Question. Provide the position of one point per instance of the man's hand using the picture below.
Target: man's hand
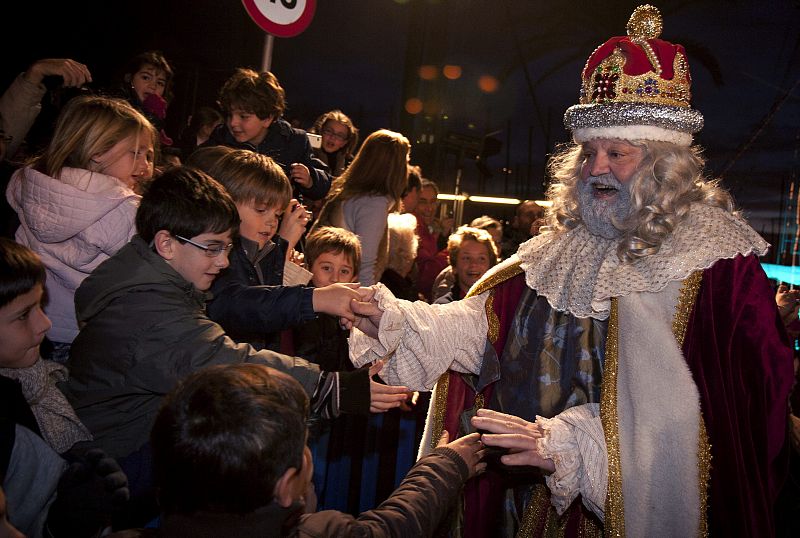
(516, 434)
(788, 302)
(384, 397)
(367, 317)
(299, 174)
(75, 74)
(469, 448)
(336, 300)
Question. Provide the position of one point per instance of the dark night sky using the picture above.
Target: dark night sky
(361, 56)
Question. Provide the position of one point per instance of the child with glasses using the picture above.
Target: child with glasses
(253, 104)
(144, 325)
(339, 140)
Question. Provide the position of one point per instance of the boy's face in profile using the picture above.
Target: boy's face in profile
(247, 127)
(198, 265)
(23, 325)
(332, 267)
(259, 222)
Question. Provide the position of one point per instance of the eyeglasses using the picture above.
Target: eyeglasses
(212, 251)
(334, 134)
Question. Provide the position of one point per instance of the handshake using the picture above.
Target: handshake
(354, 305)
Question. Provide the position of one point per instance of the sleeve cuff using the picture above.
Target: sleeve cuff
(354, 392)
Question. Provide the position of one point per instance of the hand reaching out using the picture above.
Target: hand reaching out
(336, 300)
(384, 397)
(469, 448)
(788, 302)
(75, 74)
(367, 317)
(517, 435)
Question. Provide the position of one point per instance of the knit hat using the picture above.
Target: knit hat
(636, 87)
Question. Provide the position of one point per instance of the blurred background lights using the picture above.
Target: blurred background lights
(414, 106)
(452, 72)
(428, 72)
(488, 84)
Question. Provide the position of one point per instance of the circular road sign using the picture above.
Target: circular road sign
(281, 18)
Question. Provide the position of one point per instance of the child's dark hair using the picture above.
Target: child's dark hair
(336, 240)
(20, 270)
(224, 437)
(156, 59)
(257, 93)
(186, 202)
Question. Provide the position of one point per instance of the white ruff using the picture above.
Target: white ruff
(579, 272)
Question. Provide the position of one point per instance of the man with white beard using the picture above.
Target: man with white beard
(640, 325)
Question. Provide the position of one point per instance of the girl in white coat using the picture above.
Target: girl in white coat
(76, 202)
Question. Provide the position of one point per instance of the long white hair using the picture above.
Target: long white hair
(668, 181)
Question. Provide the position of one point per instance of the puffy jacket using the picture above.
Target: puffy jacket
(73, 223)
(145, 329)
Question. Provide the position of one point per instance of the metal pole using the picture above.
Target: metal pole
(266, 58)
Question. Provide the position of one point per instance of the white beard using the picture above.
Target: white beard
(601, 216)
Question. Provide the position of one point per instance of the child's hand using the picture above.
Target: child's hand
(299, 174)
(469, 448)
(297, 258)
(384, 397)
(367, 317)
(293, 224)
(335, 299)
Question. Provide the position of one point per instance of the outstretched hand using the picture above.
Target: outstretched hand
(336, 299)
(469, 448)
(384, 397)
(367, 315)
(516, 434)
(75, 74)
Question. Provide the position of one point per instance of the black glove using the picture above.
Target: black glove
(91, 489)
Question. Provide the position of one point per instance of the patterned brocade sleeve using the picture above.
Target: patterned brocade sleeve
(422, 340)
(574, 440)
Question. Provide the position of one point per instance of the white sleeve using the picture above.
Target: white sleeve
(574, 440)
(424, 340)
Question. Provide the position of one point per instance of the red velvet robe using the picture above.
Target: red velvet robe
(740, 358)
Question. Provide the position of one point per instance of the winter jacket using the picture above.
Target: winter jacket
(145, 329)
(247, 310)
(286, 146)
(73, 223)
(416, 508)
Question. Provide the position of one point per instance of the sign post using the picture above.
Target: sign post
(282, 18)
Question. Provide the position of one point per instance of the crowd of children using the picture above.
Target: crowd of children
(172, 348)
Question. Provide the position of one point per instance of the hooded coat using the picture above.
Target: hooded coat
(73, 223)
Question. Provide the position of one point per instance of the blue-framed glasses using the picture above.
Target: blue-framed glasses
(212, 251)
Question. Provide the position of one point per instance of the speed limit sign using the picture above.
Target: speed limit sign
(281, 18)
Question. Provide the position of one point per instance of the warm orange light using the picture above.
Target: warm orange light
(428, 72)
(414, 106)
(452, 72)
(488, 84)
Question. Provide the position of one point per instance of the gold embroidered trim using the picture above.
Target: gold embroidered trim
(496, 278)
(442, 386)
(494, 321)
(686, 300)
(615, 506)
(536, 511)
(439, 409)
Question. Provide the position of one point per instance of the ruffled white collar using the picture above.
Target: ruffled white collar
(579, 272)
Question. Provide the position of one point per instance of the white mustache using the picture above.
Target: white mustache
(607, 180)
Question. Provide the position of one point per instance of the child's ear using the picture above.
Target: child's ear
(294, 483)
(164, 244)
